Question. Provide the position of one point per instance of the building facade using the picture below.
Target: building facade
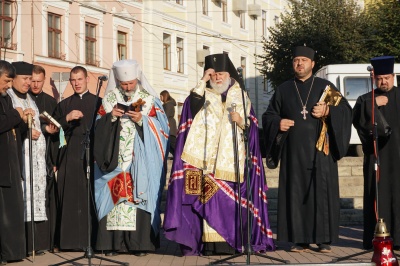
(169, 38)
(61, 34)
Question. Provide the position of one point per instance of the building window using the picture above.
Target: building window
(243, 65)
(90, 39)
(242, 20)
(179, 2)
(276, 20)
(264, 22)
(6, 24)
(179, 53)
(121, 45)
(224, 11)
(54, 35)
(205, 7)
(167, 51)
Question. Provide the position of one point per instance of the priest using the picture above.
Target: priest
(203, 193)
(385, 101)
(21, 98)
(13, 123)
(130, 151)
(308, 194)
(75, 115)
(47, 103)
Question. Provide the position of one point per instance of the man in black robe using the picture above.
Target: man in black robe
(47, 103)
(21, 98)
(308, 195)
(12, 227)
(75, 114)
(386, 105)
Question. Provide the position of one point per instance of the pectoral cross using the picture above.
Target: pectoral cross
(304, 112)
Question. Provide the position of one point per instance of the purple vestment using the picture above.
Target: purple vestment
(184, 213)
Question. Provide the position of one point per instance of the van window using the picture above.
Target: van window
(356, 86)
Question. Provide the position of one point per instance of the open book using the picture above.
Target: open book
(131, 106)
(44, 116)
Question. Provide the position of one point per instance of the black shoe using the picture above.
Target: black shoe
(299, 247)
(139, 253)
(3, 262)
(110, 253)
(324, 248)
(39, 253)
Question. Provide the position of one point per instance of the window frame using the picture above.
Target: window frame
(90, 59)
(180, 55)
(224, 10)
(9, 19)
(53, 53)
(167, 52)
(122, 46)
(204, 7)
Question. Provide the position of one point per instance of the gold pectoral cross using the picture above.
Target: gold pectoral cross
(304, 112)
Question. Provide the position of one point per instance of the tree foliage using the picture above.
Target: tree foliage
(384, 26)
(336, 29)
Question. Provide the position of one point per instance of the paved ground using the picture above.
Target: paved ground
(169, 255)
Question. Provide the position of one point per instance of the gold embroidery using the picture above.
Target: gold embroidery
(209, 189)
(193, 182)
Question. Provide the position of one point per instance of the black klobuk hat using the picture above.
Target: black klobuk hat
(383, 65)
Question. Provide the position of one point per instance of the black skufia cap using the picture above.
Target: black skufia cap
(22, 68)
(304, 51)
(222, 63)
(383, 65)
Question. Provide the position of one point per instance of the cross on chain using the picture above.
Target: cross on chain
(304, 112)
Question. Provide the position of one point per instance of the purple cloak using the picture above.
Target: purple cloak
(184, 213)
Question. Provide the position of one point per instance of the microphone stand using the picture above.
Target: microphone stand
(31, 186)
(89, 253)
(248, 250)
(377, 163)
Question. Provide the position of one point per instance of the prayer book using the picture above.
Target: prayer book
(131, 106)
(44, 116)
(330, 96)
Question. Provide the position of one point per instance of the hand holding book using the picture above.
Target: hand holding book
(46, 118)
(330, 97)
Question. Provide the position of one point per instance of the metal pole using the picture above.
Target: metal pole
(31, 186)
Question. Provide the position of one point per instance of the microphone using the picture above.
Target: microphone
(370, 68)
(103, 78)
(206, 104)
(233, 107)
(29, 121)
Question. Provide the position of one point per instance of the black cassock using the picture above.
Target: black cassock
(45, 230)
(12, 227)
(72, 219)
(308, 194)
(387, 119)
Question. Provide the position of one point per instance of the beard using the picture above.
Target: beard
(128, 93)
(220, 88)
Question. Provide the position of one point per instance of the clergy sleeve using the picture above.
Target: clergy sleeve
(106, 143)
(9, 120)
(273, 137)
(196, 103)
(362, 121)
(339, 128)
(200, 87)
